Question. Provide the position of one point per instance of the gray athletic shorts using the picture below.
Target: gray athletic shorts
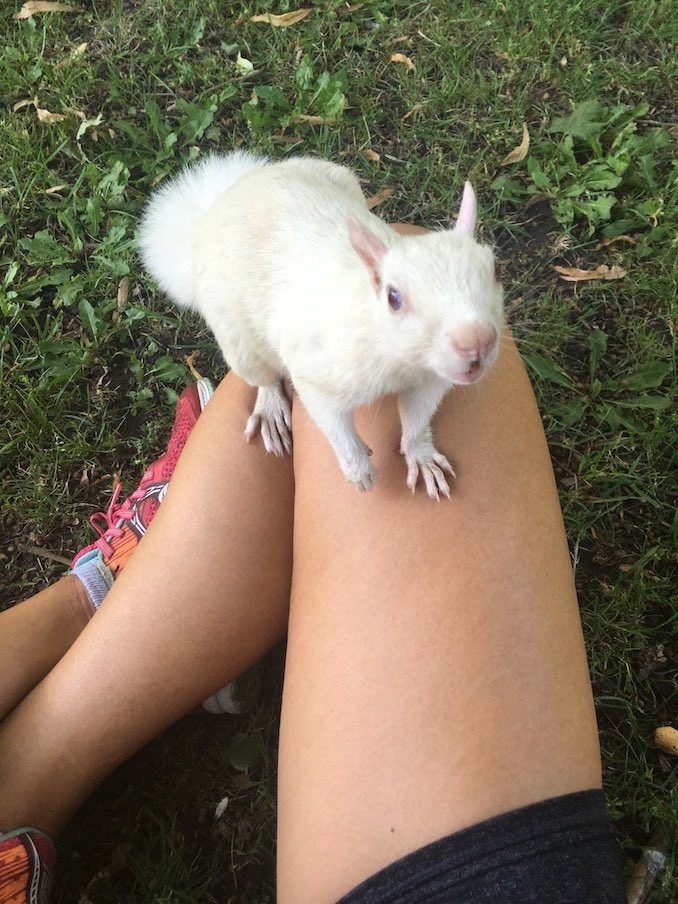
(560, 851)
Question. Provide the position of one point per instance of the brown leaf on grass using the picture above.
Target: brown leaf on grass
(285, 139)
(54, 189)
(42, 6)
(380, 197)
(314, 120)
(284, 20)
(73, 55)
(417, 108)
(47, 116)
(347, 10)
(123, 293)
(666, 738)
(190, 364)
(371, 155)
(574, 274)
(43, 114)
(605, 243)
(518, 153)
(405, 60)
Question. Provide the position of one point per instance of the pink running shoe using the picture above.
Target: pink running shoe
(124, 523)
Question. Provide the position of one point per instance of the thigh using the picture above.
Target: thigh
(436, 673)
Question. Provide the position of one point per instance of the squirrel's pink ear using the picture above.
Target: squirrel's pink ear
(466, 221)
(369, 249)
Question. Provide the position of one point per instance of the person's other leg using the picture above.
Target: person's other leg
(201, 599)
(436, 673)
(36, 633)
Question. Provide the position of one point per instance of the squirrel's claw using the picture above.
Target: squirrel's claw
(431, 465)
(272, 415)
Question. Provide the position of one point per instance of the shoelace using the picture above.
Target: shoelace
(109, 523)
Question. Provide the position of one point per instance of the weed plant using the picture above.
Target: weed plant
(102, 102)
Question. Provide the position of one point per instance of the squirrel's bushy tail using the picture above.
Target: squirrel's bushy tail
(167, 232)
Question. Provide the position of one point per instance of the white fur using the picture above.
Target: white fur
(169, 223)
(267, 253)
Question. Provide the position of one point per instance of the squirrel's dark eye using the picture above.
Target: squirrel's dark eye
(395, 299)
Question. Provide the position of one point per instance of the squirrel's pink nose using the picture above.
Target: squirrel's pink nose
(474, 340)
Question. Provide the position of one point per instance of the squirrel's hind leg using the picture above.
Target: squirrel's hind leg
(272, 415)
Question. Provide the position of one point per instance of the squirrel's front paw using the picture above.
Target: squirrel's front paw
(272, 414)
(423, 458)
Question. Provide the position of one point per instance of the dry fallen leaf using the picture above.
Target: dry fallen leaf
(46, 116)
(605, 243)
(369, 154)
(519, 153)
(346, 10)
(87, 124)
(73, 55)
(417, 108)
(221, 807)
(314, 120)
(666, 738)
(54, 189)
(190, 364)
(574, 274)
(285, 139)
(380, 196)
(123, 293)
(43, 114)
(284, 20)
(42, 6)
(405, 60)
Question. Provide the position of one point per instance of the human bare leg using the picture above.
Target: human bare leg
(436, 674)
(35, 634)
(174, 626)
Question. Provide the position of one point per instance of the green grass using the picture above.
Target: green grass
(89, 381)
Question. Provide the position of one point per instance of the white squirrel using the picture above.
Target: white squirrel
(298, 279)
